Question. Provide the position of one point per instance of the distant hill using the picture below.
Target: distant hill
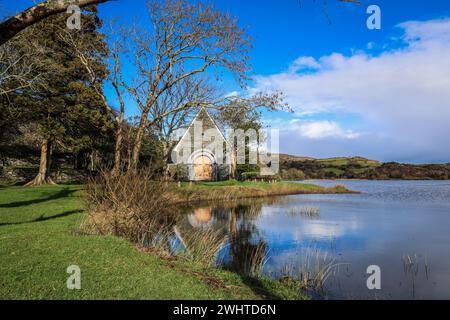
(287, 157)
(298, 168)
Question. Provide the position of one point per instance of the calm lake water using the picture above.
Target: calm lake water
(401, 226)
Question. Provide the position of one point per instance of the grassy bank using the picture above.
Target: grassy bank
(39, 240)
(232, 190)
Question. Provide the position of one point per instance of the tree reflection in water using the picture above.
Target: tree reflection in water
(226, 232)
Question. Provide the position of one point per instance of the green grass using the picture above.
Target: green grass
(39, 240)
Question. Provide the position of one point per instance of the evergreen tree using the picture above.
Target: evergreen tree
(64, 109)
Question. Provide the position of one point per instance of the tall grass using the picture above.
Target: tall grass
(202, 246)
(247, 258)
(133, 205)
(136, 206)
(411, 268)
(315, 269)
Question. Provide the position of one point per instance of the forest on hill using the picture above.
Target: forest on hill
(299, 168)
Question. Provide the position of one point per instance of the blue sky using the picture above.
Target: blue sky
(354, 91)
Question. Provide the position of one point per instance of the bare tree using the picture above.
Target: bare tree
(18, 66)
(175, 102)
(186, 39)
(12, 26)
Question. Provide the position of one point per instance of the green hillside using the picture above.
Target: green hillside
(342, 161)
(299, 168)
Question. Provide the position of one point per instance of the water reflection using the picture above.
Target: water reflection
(400, 226)
(247, 248)
(242, 248)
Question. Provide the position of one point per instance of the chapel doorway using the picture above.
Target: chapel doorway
(203, 168)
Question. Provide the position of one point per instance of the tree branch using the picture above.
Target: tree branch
(12, 26)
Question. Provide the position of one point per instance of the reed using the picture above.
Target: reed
(248, 259)
(309, 212)
(314, 270)
(202, 246)
(412, 267)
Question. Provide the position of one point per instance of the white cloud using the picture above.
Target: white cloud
(232, 94)
(426, 30)
(304, 63)
(402, 95)
(322, 129)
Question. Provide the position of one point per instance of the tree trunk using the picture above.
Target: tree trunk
(44, 166)
(129, 156)
(138, 141)
(118, 147)
(166, 157)
(92, 158)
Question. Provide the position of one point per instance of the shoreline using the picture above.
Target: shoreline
(233, 190)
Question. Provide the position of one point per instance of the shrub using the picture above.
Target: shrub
(249, 175)
(132, 205)
(256, 175)
(241, 168)
(293, 174)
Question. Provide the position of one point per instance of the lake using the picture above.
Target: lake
(401, 226)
